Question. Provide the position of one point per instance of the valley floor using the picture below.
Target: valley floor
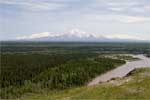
(135, 86)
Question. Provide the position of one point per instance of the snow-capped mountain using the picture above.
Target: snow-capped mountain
(73, 35)
(78, 35)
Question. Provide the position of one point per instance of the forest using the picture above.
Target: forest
(35, 67)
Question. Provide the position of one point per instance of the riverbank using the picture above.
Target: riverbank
(122, 70)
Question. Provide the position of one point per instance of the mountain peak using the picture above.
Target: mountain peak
(79, 35)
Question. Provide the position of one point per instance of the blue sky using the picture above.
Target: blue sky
(111, 18)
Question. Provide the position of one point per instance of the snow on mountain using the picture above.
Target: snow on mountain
(78, 35)
(72, 35)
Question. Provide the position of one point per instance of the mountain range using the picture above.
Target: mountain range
(78, 35)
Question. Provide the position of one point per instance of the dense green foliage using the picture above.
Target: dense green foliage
(75, 73)
(22, 73)
(33, 67)
(25, 66)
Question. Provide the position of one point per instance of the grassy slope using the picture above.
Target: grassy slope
(136, 86)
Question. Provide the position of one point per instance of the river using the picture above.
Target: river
(122, 71)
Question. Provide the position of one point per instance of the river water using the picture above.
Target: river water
(122, 71)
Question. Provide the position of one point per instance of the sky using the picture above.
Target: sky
(40, 18)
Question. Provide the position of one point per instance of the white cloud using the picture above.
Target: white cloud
(132, 19)
(123, 3)
(147, 8)
(117, 8)
(35, 6)
(45, 6)
(116, 18)
(132, 9)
